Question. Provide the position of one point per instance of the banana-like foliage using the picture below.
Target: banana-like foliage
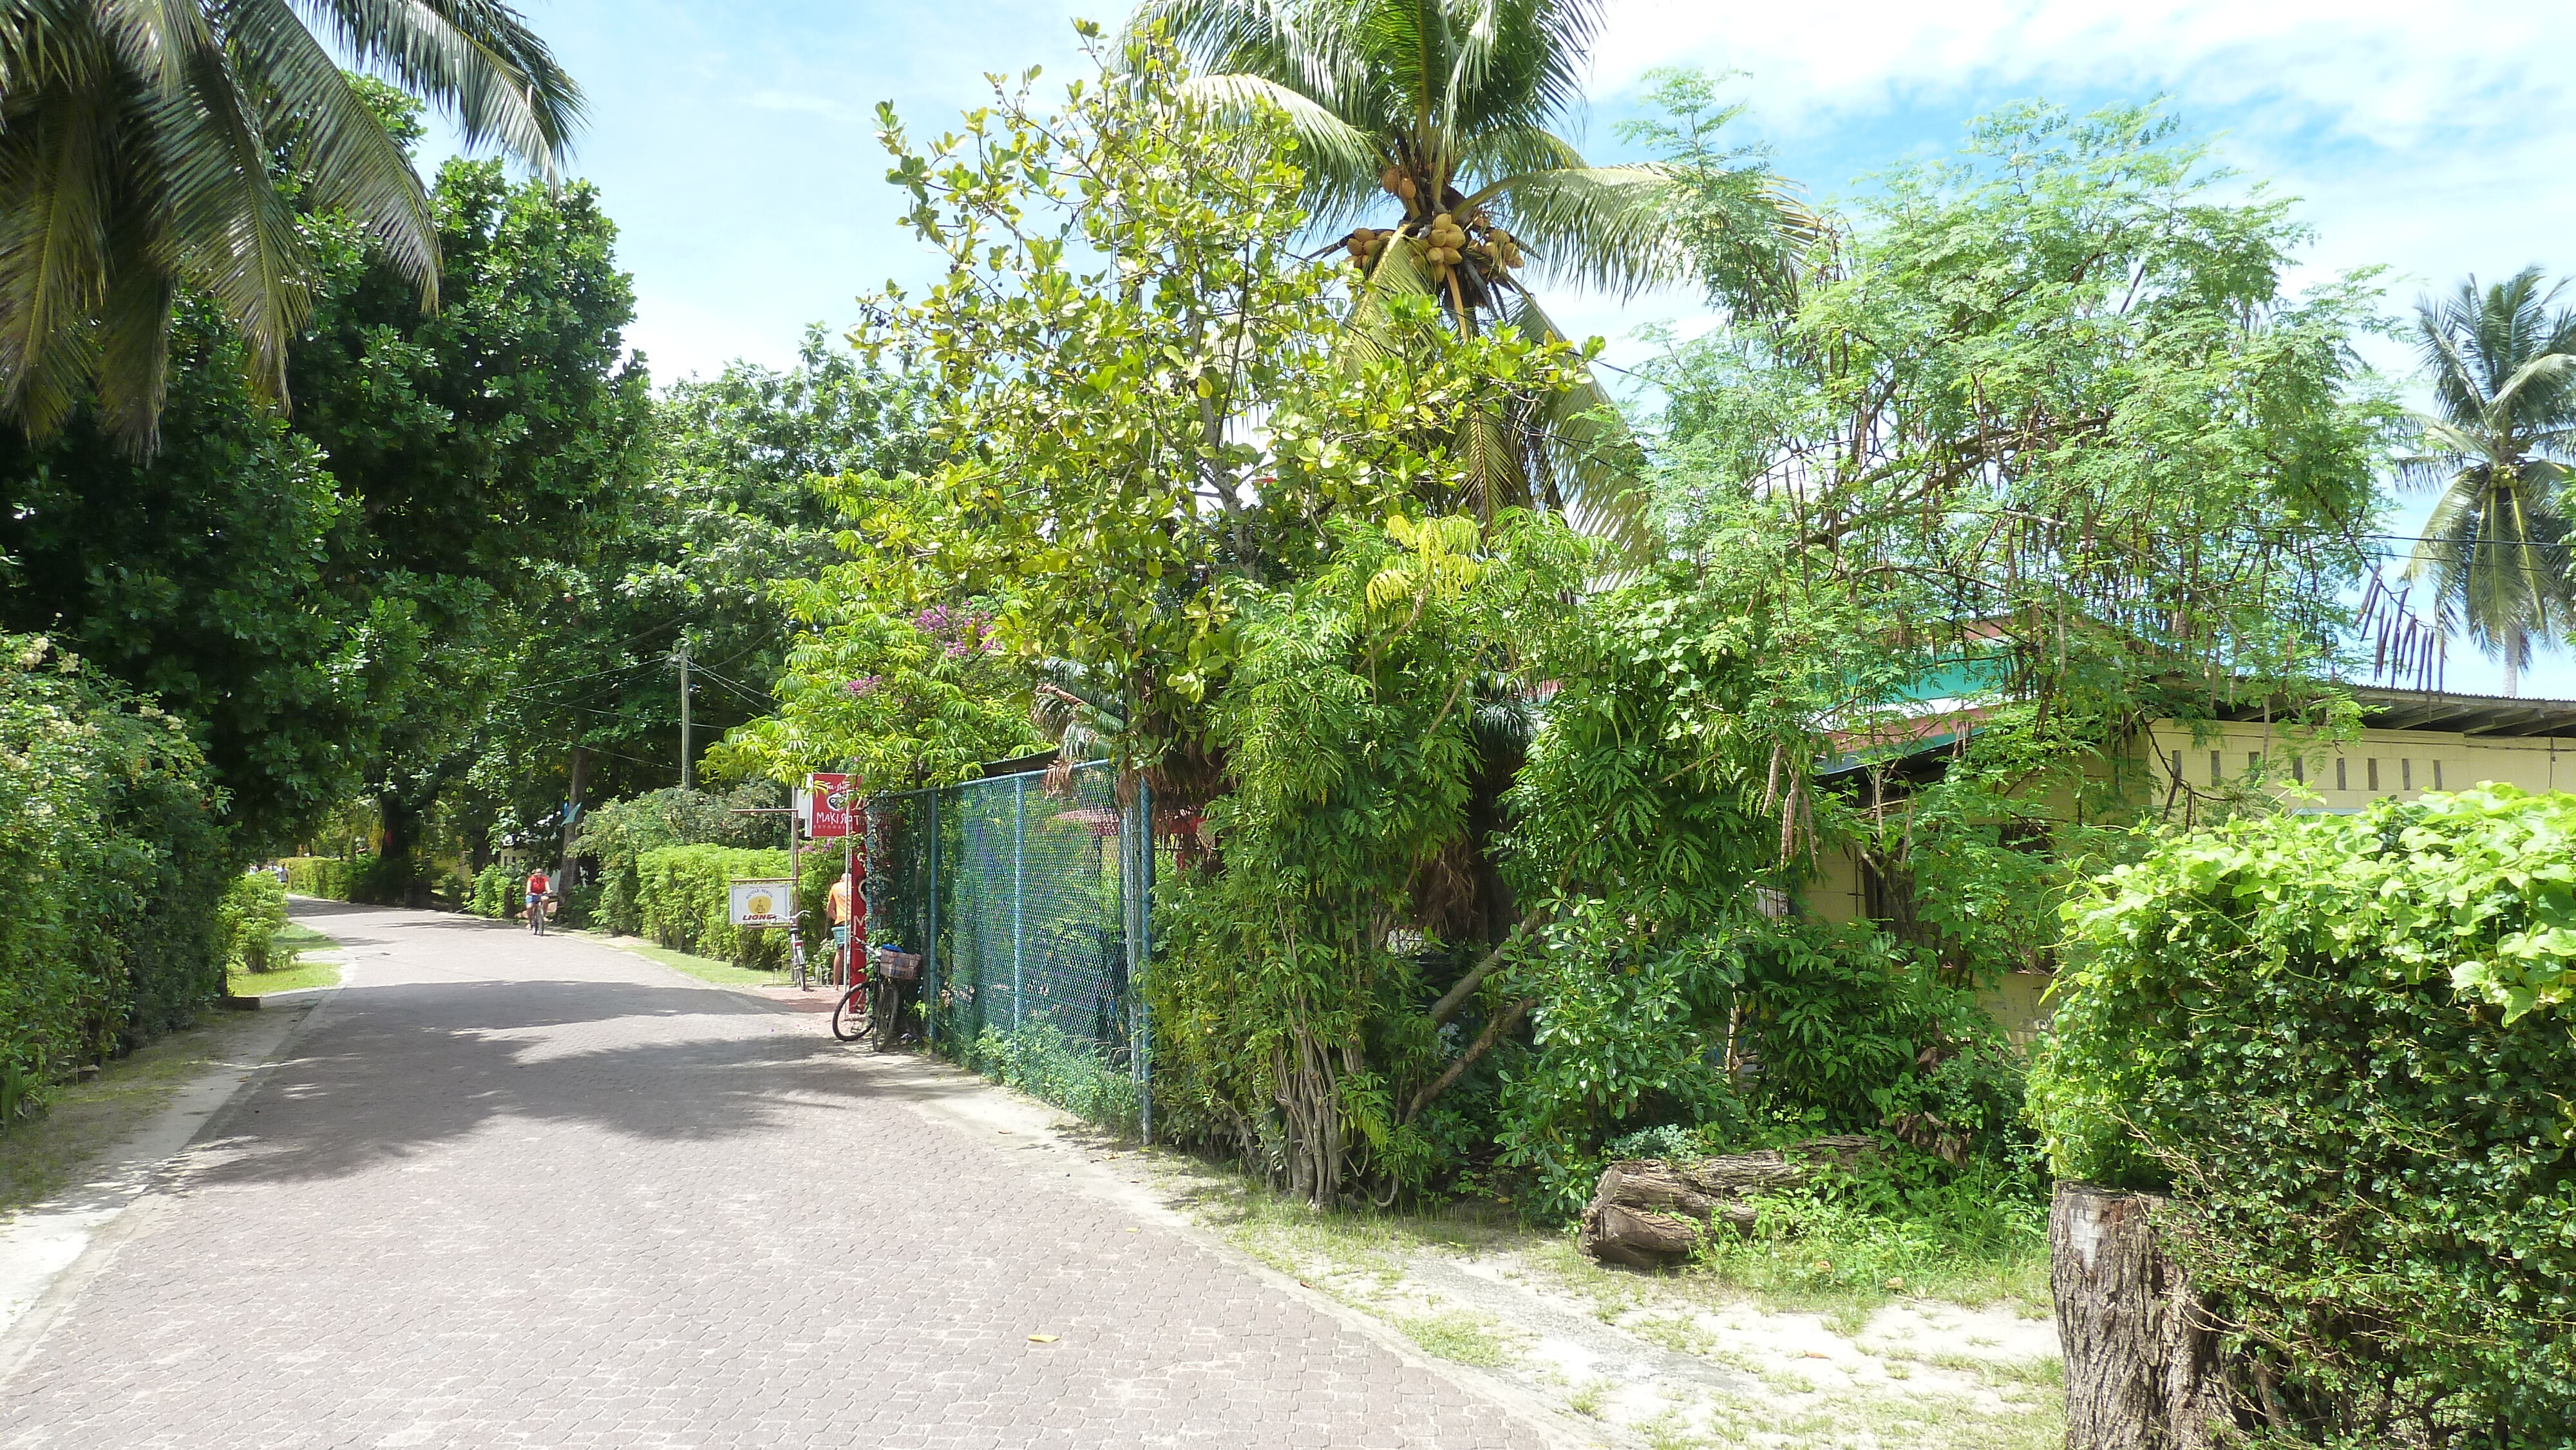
(2499, 447)
(153, 146)
(1447, 112)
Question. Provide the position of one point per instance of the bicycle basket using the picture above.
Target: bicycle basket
(899, 966)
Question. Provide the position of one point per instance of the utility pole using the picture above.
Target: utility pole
(688, 773)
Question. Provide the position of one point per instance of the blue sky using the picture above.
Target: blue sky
(735, 143)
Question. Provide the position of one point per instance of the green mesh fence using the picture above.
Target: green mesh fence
(1027, 907)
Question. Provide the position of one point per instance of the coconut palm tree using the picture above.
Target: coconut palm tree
(1444, 119)
(2499, 446)
(153, 146)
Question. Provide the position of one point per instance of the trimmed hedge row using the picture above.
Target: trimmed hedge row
(113, 867)
(379, 880)
(680, 901)
(2345, 1046)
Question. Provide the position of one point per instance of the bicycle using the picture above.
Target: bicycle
(872, 1008)
(537, 915)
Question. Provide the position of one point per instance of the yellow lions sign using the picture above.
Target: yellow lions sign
(760, 903)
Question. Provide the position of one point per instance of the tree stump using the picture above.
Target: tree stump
(1648, 1213)
(2142, 1362)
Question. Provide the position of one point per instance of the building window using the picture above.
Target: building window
(2299, 769)
(2372, 767)
(2217, 772)
(2437, 775)
(2253, 761)
(2340, 782)
(2405, 773)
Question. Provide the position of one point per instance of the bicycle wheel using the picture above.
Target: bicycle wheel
(885, 1002)
(850, 1017)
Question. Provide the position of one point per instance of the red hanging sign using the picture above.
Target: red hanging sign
(829, 800)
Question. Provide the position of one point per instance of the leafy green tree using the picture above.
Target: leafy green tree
(2499, 448)
(727, 513)
(2044, 421)
(2041, 428)
(1304, 982)
(216, 577)
(328, 599)
(154, 150)
(492, 447)
(1450, 112)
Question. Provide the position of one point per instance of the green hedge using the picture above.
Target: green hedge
(2345, 1045)
(617, 835)
(681, 895)
(252, 914)
(324, 876)
(499, 893)
(378, 880)
(113, 871)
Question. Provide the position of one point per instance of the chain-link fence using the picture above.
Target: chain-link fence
(1029, 910)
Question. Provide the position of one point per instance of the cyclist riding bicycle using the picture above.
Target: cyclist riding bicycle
(539, 887)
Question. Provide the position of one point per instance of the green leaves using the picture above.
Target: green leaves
(146, 150)
(2344, 1042)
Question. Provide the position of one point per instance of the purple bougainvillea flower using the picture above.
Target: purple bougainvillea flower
(864, 685)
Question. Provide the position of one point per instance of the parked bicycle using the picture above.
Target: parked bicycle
(872, 1008)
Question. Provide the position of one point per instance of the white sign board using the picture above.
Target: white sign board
(760, 903)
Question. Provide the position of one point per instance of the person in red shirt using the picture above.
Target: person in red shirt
(539, 886)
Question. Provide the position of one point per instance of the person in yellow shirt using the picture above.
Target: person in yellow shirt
(847, 912)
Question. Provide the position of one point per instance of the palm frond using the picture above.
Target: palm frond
(1503, 151)
(1615, 228)
(349, 162)
(474, 59)
(1341, 161)
(55, 166)
(1585, 460)
(229, 232)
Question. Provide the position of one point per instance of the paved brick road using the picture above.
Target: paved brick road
(507, 1192)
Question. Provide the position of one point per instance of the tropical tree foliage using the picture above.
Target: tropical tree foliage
(2498, 447)
(1449, 114)
(1137, 410)
(151, 150)
(721, 505)
(2046, 426)
(328, 600)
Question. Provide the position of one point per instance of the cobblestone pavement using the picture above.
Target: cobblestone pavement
(506, 1192)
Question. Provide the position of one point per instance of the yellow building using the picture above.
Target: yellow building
(2412, 741)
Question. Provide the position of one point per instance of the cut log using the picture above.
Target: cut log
(2142, 1352)
(1650, 1213)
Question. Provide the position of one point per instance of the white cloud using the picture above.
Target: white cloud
(2382, 69)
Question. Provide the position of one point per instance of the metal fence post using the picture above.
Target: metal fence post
(930, 945)
(1144, 952)
(1019, 886)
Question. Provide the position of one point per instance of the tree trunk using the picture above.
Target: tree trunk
(2513, 648)
(1648, 1213)
(402, 823)
(2142, 1361)
(580, 768)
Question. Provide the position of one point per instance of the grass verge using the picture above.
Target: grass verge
(705, 969)
(294, 971)
(40, 1156)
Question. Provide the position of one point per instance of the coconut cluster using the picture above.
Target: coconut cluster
(1443, 241)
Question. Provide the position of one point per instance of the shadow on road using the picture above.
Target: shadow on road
(392, 1071)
